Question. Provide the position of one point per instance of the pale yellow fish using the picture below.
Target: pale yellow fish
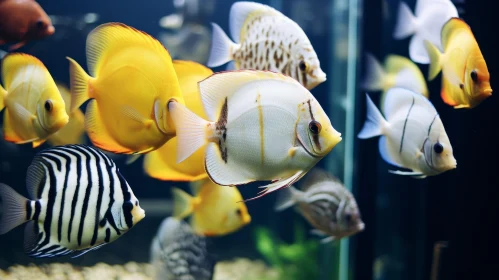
(132, 79)
(215, 210)
(33, 106)
(74, 131)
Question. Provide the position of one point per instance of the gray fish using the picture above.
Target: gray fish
(177, 253)
(326, 204)
(79, 201)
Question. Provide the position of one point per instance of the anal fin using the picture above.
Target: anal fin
(8, 131)
(222, 172)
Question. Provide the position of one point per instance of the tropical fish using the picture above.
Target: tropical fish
(266, 40)
(177, 253)
(73, 131)
(34, 108)
(412, 136)
(132, 79)
(78, 202)
(261, 126)
(162, 163)
(325, 203)
(23, 21)
(426, 24)
(466, 79)
(398, 71)
(215, 209)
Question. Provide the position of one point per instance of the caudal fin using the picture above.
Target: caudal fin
(190, 129)
(435, 61)
(182, 203)
(375, 121)
(79, 81)
(3, 94)
(406, 22)
(221, 47)
(374, 78)
(14, 209)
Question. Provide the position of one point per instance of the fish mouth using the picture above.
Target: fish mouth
(50, 30)
(318, 78)
(487, 92)
(246, 219)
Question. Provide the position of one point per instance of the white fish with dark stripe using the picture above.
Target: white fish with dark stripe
(78, 202)
(325, 203)
(412, 136)
(177, 253)
(266, 40)
(262, 126)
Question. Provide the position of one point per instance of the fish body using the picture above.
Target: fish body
(261, 126)
(78, 201)
(412, 135)
(132, 79)
(73, 132)
(266, 40)
(466, 78)
(397, 71)
(162, 163)
(215, 210)
(177, 253)
(33, 106)
(425, 24)
(325, 203)
(23, 21)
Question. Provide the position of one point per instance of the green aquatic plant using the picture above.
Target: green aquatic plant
(295, 261)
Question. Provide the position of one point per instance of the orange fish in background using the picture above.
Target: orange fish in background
(22, 21)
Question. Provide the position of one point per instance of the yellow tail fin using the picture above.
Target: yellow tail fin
(182, 203)
(3, 94)
(79, 84)
(435, 60)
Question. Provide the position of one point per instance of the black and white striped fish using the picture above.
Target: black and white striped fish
(79, 201)
(177, 253)
(325, 203)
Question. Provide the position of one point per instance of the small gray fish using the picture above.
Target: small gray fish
(177, 253)
(326, 204)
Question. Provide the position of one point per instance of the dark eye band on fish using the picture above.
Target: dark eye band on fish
(438, 148)
(315, 127)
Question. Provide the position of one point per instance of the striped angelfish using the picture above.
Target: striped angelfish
(78, 202)
(325, 203)
(266, 40)
(412, 135)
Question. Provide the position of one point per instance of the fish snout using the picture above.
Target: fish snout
(317, 76)
(50, 30)
(487, 92)
(138, 214)
(361, 226)
(61, 121)
(246, 219)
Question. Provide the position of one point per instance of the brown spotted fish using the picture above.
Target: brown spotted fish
(266, 40)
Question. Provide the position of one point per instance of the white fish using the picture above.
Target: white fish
(412, 136)
(426, 24)
(265, 39)
(262, 126)
(79, 201)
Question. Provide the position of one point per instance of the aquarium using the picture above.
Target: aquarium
(223, 139)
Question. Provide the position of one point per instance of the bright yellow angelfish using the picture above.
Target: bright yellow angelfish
(34, 108)
(162, 163)
(73, 132)
(216, 210)
(132, 79)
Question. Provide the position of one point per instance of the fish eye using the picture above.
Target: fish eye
(474, 76)
(438, 148)
(128, 206)
(348, 218)
(303, 65)
(314, 127)
(40, 24)
(49, 106)
(238, 212)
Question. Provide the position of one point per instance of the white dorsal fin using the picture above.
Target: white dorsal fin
(239, 13)
(219, 86)
(397, 98)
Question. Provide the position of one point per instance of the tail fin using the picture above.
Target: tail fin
(285, 198)
(221, 47)
(79, 81)
(190, 129)
(374, 75)
(406, 22)
(375, 121)
(435, 61)
(3, 94)
(182, 203)
(14, 209)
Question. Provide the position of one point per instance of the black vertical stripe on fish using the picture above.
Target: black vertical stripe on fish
(65, 186)
(29, 211)
(315, 137)
(77, 190)
(304, 78)
(52, 194)
(87, 197)
(98, 160)
(221, 128)
(109, 215)
(108, 235)
(431, 124)
(126, 197)
(405, 125)
(38, 209)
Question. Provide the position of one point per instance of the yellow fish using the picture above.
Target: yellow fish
(132, 79)
(216, 210)
(162, 163)
(34, 108)
(466, 79)
(73, 131)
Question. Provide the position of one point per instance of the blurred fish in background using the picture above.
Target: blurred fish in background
(186, 36)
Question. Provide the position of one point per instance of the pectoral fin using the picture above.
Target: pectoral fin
(279, 184)
(133, 114)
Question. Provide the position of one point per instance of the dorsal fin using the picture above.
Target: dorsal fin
(219, 86)
(452, 26)
(242, 11)
(317, 175)
(15, 62)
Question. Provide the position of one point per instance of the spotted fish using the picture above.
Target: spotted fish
(266, 40)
